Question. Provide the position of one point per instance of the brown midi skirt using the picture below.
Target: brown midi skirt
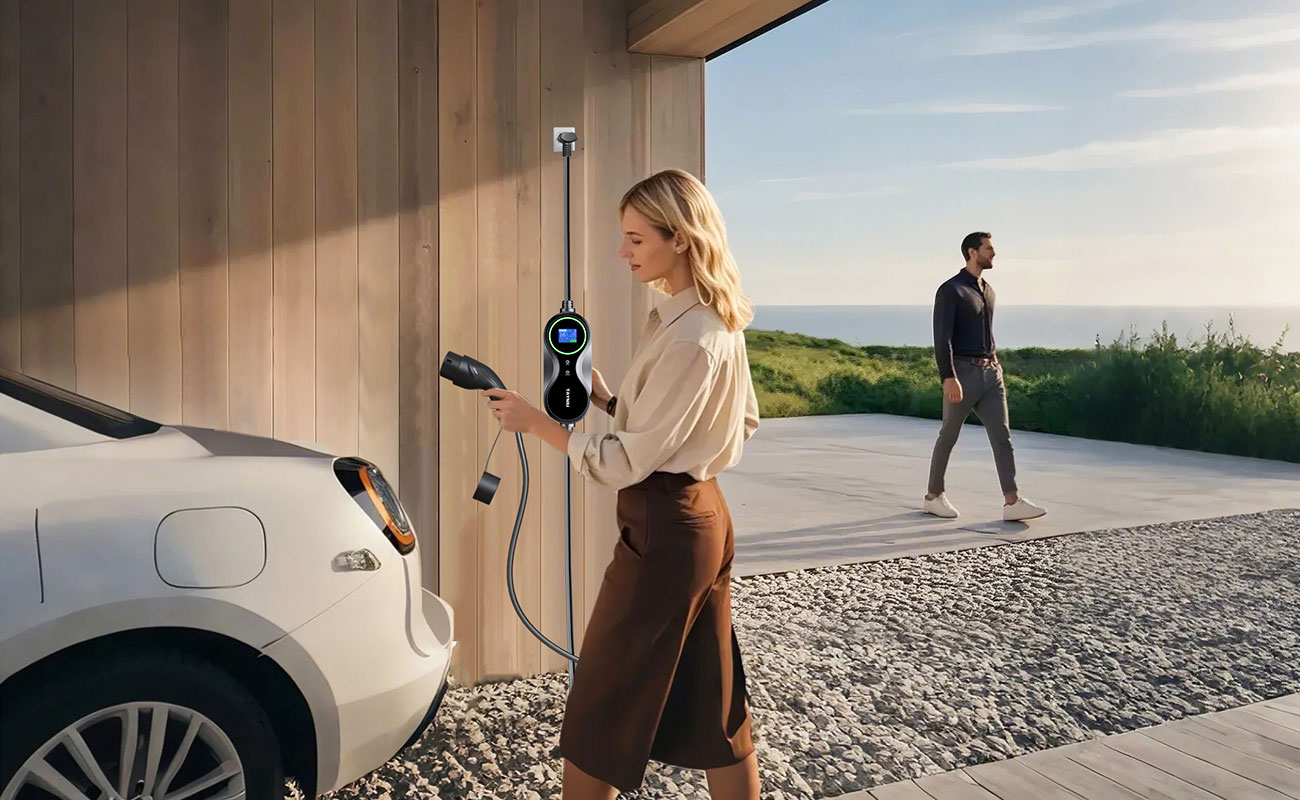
(659, 675)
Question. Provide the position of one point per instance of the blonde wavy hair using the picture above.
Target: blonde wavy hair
(675, 201)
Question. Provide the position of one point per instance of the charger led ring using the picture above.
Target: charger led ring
(578, 347)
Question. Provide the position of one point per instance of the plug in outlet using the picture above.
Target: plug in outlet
(555, 137)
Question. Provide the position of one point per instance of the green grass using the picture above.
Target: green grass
(1219, 394)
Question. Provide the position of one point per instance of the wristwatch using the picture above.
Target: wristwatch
(610, 404)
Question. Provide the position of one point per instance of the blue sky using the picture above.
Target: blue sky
(1122, 152)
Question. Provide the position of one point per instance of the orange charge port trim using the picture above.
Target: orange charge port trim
(403, 538)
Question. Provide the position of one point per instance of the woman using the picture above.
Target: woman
(660, 675)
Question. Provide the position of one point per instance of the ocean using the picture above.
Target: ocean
(1061, 327)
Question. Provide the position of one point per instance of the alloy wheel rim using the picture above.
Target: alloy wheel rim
(133, 751)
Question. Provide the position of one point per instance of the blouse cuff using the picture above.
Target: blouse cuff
(578, 448)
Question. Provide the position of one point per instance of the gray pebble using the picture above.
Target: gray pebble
(872, 673)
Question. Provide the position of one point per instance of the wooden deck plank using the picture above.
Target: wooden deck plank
(1243, 741)
(1280, 778)
(1289, 703)
(1137, 775)
(1081, 780)
(1258, 724)
(1284, 719)
(903, 790)
(954, 786)
(1251, 753)
(1012, 780)
(1204, 775)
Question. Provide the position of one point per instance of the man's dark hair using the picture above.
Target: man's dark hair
(973, 241)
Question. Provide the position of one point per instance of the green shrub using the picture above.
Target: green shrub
(1219, 394)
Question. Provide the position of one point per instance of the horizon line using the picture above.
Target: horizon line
(1034, 305)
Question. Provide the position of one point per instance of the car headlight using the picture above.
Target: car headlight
(375, 495)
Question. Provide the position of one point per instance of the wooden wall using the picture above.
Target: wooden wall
(275, 216)
(218, 213)
(501, 192)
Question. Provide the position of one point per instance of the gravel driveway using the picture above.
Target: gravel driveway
(872, 673)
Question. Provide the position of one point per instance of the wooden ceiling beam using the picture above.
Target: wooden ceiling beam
(699, 28)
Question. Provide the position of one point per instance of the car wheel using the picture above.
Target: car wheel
(154, 725)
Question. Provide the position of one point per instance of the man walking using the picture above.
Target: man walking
(972, 378)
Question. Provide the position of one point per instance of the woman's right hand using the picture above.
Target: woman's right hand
(600, 392)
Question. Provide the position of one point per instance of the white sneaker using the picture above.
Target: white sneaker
(940, 507)
(1021, 510)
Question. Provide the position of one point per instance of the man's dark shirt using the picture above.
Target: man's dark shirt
(963, 321)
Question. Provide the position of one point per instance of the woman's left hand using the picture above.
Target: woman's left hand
(515, 414)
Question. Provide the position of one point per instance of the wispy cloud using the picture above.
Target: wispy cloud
(1220, 34)
(1275, 167)
(1238, 83)
(816, 196)
(1240, 169)
(1036, 16)
(911, 109)
(1158, 147)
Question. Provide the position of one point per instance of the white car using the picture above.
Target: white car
(191, 614)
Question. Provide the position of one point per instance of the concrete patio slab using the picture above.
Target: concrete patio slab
(822, 491)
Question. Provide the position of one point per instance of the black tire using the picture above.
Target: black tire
(38, 711)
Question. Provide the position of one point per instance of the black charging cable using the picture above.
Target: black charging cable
(514, 541)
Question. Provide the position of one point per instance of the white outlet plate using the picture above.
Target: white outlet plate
(555, 137)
